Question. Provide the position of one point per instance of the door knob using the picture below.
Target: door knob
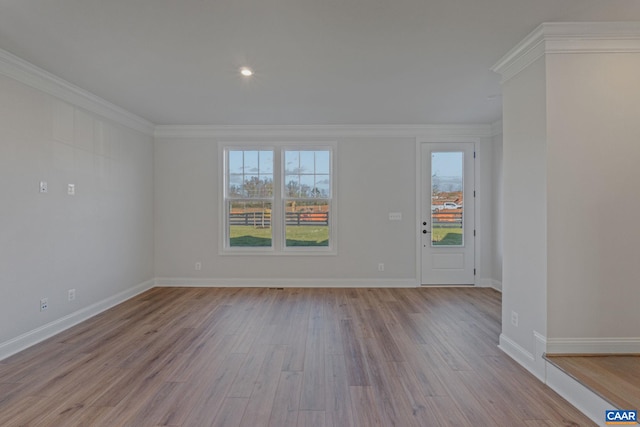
(424, 223)
(424, 231)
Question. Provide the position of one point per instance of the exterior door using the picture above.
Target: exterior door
(447, 221)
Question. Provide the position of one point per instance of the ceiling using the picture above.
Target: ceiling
(316, 62)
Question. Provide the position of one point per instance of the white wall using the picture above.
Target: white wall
(594, 199)
(524, 275)
(99, 241)
(570, 149)
(375, 176)
(570, 153)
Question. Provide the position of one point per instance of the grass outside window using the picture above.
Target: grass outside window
(302, 235)
(446, 236)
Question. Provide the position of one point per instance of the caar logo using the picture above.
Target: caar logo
(621, 417)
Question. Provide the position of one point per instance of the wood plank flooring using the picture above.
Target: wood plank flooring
(615, 378)
(293, 357)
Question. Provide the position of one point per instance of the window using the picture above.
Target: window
(249, 200)
(278, 199)
(447, 198)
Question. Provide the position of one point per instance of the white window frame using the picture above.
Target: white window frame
(278, 227)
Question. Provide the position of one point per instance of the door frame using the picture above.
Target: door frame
(419, 202)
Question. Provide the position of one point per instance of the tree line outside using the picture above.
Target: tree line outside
(262, 187)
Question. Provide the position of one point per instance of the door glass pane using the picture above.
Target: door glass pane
(447, 198)
(250, 224)
(307, 223)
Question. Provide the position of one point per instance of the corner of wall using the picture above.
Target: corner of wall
(490, 283)
(27, 73)
(30, 338)
(78, 141)
(532, 362)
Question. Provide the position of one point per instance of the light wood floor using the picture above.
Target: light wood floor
(614, 378)
(293, 357)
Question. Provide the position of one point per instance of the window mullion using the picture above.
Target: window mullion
(277, 213)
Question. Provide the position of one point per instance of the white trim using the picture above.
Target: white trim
(27, 73)
(580, 396)
(569, 37)
(539, 350)
(43, 332)
(623, 45)
(285, 252)
(478, 234)
(473, 139)
(490, 283)
(520, 355)
(418, 199)
(285, 283)
(521, 56)
(278, 247)
(448, 139)
(593, 345)
(439, 132)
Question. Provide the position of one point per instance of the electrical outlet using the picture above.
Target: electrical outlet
(381, 267)
(43, 186)
(198, 266)
(44, 304)
(71, 294)
(71, 190)
(514, 318)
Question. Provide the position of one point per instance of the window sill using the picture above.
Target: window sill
(298, 252)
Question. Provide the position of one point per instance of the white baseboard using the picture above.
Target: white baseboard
(490, 283)
(37, 335)
(287, 283)
(540, 348)
(525, 358)
(593, 346)
(585, 400)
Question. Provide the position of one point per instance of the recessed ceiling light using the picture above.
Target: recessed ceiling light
(246, 71)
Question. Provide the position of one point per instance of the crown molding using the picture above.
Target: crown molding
(521, 55)
(569, 37)
(37, 78)
(322, 131)
(27, 73)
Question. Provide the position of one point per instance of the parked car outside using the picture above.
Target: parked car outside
(451, 205)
